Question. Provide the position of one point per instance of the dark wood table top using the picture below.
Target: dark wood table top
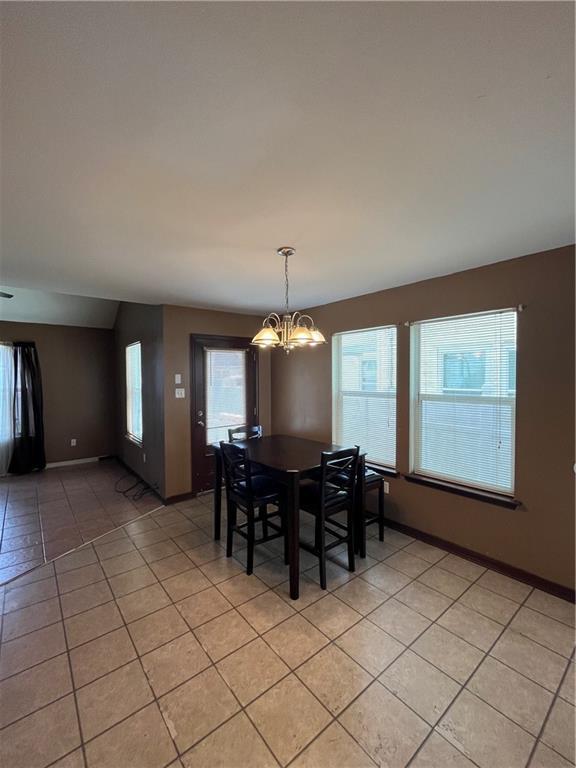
(286, 454)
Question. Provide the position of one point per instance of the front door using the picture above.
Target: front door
(224, 379)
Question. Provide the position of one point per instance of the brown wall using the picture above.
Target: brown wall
(538, 536)
(179, 323)
(143, 323)
(77, 367)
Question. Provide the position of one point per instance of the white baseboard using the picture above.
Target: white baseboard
(71, 463)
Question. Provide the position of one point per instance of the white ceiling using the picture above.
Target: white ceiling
(32, 306)
(160, 152)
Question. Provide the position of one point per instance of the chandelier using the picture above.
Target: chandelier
(291, 330)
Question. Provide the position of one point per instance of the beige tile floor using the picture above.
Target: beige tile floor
(45, 514)
(150, 649)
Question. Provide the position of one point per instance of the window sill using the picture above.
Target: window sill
(462, 490)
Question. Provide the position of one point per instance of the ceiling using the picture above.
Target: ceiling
(33, 306)
(160, 152)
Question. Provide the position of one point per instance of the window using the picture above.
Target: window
(364, 397)
(134, 392)
(225, 392)
(464, 399)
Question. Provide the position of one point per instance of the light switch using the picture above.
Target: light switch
(177, 378)
(180, 392)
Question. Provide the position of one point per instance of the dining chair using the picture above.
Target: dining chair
(251, 494)
(372, 481)
(244, 433)
(332, 493)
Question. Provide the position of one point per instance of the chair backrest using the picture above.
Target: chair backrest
(338, 474)
(237, 472)
(244, 433)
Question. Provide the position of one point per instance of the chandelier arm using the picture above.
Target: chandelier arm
(305, 317)
(275, 317)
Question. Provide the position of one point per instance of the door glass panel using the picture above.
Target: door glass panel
(225, 392)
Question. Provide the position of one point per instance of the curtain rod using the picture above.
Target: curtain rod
(518, 308)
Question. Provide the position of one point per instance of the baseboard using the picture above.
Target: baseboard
(558, 590)
(73, 462)
(185, 497)
(179, 497)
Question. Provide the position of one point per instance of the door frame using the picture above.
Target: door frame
(198, 342)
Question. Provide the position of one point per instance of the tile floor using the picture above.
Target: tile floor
(45, 514)
(150, 649)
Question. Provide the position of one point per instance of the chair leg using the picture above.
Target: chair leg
(230, 523)
(321, 549)
(251, 537)
(381, 511)
(263, 510)
(350, 524)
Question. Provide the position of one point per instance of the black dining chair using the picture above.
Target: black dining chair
(251, 494)
(244, 433)
(332, 493)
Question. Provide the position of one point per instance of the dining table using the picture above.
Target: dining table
(287, 460)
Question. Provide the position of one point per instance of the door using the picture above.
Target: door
(224, 379)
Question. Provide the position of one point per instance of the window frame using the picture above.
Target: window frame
(132, 436)
(337, 392)
(416, 474)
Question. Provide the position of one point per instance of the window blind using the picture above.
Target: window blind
(464, 399)
(364, 392)
(225, 392)
(134, 427)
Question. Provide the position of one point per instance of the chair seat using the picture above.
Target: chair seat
(371, 477)
(263, 488)
(310, 495)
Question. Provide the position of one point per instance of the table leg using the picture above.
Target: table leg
(217, 494)
(293, 522)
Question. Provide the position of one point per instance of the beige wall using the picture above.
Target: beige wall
(179, 324)
(77, 366)
(143, 323)
(538, 536)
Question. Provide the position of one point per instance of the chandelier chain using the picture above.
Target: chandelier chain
(286, 279)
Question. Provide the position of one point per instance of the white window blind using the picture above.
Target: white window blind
(6, 405)
(464, 399)
(225, 392)
(364, 392)
(134, 391)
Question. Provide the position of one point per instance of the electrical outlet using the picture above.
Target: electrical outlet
(73, 442)
(180, 393)
(386, 486)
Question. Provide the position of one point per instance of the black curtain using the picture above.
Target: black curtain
(28, 453)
